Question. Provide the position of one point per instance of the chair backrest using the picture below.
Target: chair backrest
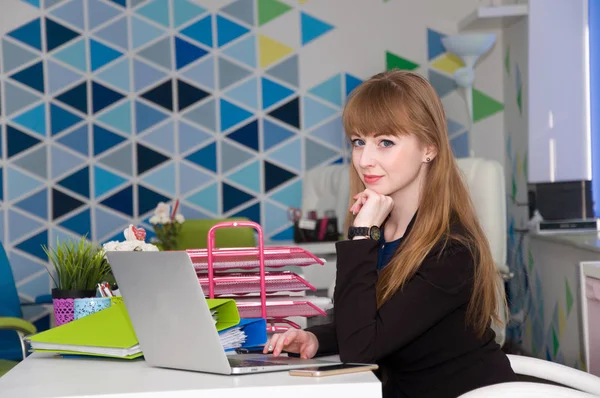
(10, 304)
(194, 234)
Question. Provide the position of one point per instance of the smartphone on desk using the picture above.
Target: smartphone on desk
(344, 368)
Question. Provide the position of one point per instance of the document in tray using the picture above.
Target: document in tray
(249, 332)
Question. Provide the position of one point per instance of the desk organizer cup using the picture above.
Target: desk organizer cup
(87, 306)
(64, 303)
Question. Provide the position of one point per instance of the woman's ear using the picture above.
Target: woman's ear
(429, 153)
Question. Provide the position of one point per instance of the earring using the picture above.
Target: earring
(428, 159)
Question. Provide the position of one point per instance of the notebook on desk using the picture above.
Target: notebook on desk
(173, 322)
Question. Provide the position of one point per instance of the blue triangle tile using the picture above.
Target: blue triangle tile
(121, 201)
(206, 198)
(118, 118)
(101, 54)
(443, 84)
(105, 181)
(243, 51)
(454, 127)
(247, 135)
(63, 203)
(33, 246)
(63, 161)
(80, 223)
(62, 235)
(275, 176)
(148, 199)
(434, 44)
(317, 154)
(115, 33)
(75, 97)
(29, 33)
(32, 76)
(273, 134)
(19, 184)
(203, 115)
(145, 75)
(161, 95)
(99, 12)
(202, 73)
(146, 116)
(103, 96)
(61, 119)
(275, 218)
(18, 141)
(191, 136)
(120, 159)
(71, 12)
(34, 119)
(315, 112)
(57, 34)
(232, 156)
(2, 238)
(351, 83)
(330, 90)
(245, 93)
(186, 53)
(185, 10)
(312, 28)
(77, 140)
(162, 137)
(230, 73)
(34, 3)
(51, 3)
(38, 286)
(289, 155)
(227, 30)
(290, 195)
(251, 212)
(162, 179)
(191, 178)
(248, 177)
(104, 140)
(242, 10)
(60, 77)
(285, 235)
(78, 182)
(117, 75)
(15, 55)
(288, 113)
(36, 204)
(159, 53)
(122, 3)
(24, 266)
(205, 157)
(20, 225)
(74, 55)
(460, 145)
(157, 11)
(148, 158)
(331, 132)
(200, 31)
(35, 162)
(231, 115)
(233, 197)
(273, 92)
(107, 223)
(188, 95)
(143, 32)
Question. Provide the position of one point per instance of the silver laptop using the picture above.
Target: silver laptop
(171, 319)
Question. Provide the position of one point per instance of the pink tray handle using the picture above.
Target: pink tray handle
(261, 258)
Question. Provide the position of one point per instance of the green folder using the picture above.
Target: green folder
(226, 312)
(107, 333)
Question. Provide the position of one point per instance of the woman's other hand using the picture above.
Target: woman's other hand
(295, 341)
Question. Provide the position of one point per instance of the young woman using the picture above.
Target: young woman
(416, 288)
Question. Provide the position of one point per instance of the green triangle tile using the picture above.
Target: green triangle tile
(555, 343)
(569, 297)
(507, 60)
(484, 106)
(394, 61)
(270, 9)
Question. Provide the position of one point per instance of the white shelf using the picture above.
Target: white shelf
(493, 17)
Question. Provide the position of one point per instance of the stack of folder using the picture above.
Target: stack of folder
(109, 333)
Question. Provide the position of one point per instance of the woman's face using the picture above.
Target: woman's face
(387, 164)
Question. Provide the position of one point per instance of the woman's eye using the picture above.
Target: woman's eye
(386, 143)
(358, 142)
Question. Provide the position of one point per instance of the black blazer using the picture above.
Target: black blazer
(419, 337)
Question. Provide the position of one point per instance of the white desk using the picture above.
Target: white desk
(48, 376)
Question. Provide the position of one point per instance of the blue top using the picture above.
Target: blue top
(386, 251)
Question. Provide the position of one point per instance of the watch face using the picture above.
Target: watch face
(375, 233)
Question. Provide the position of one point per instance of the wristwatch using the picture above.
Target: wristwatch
(372, 232)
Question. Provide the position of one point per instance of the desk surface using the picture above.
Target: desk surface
(50, 376)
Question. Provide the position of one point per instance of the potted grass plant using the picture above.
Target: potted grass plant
(78, 267)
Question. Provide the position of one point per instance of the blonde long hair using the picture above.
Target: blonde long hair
(396, 103)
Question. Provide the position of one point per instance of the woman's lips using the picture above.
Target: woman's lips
(371, 179)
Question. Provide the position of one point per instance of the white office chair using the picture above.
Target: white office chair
(574, 383)
(328, 188)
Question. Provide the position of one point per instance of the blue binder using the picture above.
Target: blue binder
(255, 330)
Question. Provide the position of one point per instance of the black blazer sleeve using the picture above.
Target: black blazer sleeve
(365, 334)
(327, 338)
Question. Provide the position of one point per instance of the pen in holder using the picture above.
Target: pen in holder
(87, 306)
